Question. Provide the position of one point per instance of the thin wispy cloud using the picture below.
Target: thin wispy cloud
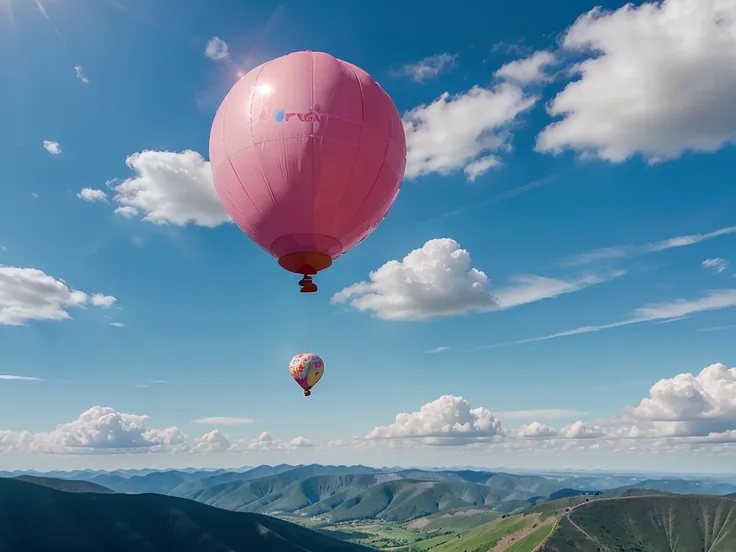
(634, 250)
(81, 75)
(157, 381)
(545, 414)
(9, 377)
(118, 325)
(717, 328)
(530, 288)
(437, 350)
(667, 310)
(223, 420)
(717, 265)
(428, 68)
(504, 196)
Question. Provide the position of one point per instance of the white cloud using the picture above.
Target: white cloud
(429, 68)
(436, 350)
(52, 147)
(704, 402)
(19, 378)
(3, 249)
(118, 325)
(631, 250)
(127, 211)
(667, 310)
(104, 430)
(661, 82)
(29, 294)
(581, 430)
(683, 412)
(92, 195)
(447, 420)
(464, 130)
(536, 430)
(223, 420)
(717, 265)
(529, 288)
(539, 414)
(102, 301)
(169, 188)
(437, 280)
(434, 281)
(216, 49)
(81, 74)
(529, 70)
(481, 166)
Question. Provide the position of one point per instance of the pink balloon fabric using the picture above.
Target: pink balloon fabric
(307, 153)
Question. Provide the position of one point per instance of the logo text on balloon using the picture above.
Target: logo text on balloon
(280, 115)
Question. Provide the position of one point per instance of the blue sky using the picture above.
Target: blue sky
(639, 155)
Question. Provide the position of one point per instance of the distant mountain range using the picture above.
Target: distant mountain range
(35, 517)
(407, 510)
(342, 493)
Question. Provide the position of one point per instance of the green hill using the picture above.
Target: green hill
(67, 485)
(666, 523)
(34, 517)
(404, 500)
(347, 497)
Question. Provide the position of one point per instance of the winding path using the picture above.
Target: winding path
(540, 546)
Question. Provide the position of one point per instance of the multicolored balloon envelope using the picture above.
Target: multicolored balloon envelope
(307, 154)
(306, 369)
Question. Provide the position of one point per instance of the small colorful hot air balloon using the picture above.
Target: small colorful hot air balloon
(306, 369)
(307, 154)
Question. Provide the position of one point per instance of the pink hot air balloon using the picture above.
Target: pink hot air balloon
(307, 153)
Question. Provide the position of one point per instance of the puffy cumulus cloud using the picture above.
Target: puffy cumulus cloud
(437, 280)
(103, 430)
(265, 442)
(216, 49)
(169, 188)
(717, 265)
(697, 404)
(429, 68)
(92, 195)
(536, 430)
(433, 281)
(464, 131)
(687, 412)
(447, 420)
(581, 430)
(529, 70)
(28, 294)
(52, 147)
(659, 82)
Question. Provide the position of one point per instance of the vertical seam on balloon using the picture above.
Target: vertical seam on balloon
(311, 145)
(245, 191)
(253, 140)
(383, 164)
(357, 151)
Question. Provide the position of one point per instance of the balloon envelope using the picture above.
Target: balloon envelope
(306, 369)
(307, 154)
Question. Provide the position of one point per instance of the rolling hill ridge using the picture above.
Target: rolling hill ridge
(661, 523)
(36, 517)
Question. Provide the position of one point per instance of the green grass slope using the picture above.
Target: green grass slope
(519, 533)
(67, 485)
(34, 517)
(666, 523)
(404, 500)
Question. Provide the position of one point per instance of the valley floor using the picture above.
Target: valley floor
(517, 533)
